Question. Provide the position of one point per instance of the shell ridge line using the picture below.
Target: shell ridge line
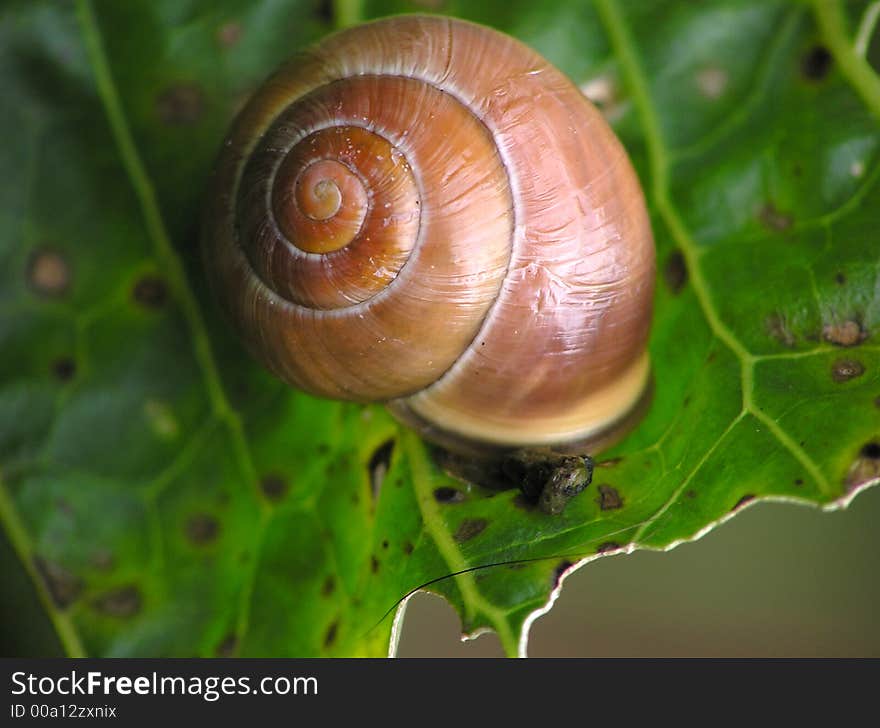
(274, 298)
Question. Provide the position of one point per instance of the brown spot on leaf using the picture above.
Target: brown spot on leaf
(380, 462)
(328, 587)
(374, 564)
(609, 499)
(274, 487)
(181, 104)
(48, 273)
(610, 463)
(560, 569)
(742, 501)
(63, 587)
(228, 646)
(448, 495)
(607, 547)
(103, 560)
(712, 82)
(606, 93)
(202, 529)
(840, 279)
(229, 34)
(150, 291)
(865, 468)
(773, 219)
(816, 63)
(691, 494)
(407, 547)
(843, 370)
(777, 327)
(675, 272)
(846, 333)
(330, 634)
(798, 481)
(64, 368)
(469, 528)
(123, 602)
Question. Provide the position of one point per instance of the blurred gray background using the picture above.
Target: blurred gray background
(777, 580)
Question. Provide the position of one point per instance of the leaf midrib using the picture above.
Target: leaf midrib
(455, 560)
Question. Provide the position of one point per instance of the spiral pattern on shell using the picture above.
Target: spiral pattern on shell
(424, 211)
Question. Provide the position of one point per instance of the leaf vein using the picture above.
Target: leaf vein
(618, 33)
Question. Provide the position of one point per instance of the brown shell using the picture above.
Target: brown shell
(424, 211)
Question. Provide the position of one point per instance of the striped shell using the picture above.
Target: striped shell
(425, 212)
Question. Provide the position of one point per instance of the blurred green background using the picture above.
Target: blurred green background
(777, 580)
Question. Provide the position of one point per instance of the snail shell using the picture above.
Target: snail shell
(425, 212)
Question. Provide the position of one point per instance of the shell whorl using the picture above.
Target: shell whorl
(424, 211)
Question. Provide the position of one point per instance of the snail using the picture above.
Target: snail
(425, 212)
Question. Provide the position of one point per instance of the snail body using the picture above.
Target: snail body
(424, 212)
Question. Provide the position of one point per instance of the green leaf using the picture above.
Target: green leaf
(168, 497)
